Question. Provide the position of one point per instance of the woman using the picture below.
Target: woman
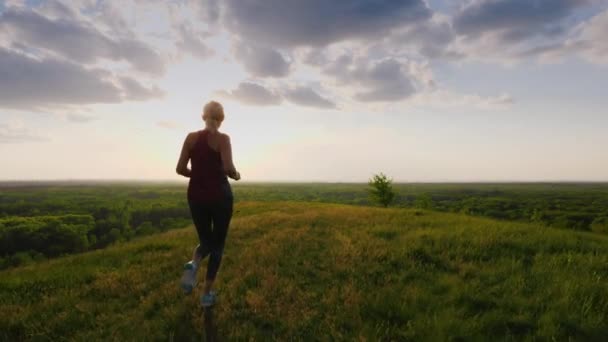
(209, 195)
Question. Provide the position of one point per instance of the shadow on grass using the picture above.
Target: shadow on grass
(187, 330)
(210, 326)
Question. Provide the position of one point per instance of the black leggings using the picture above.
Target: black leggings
(211, 221)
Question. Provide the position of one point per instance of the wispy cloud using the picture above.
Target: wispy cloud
(16, 132)
(30, 83)
(253, 94)
(168, 124)
(80, 118)
(76, 54)
(261, 61)
(319, 22)
(308, 97)
(78, 41)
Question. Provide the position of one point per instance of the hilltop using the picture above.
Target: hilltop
(326, 271)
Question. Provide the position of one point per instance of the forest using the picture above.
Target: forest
(45, 220)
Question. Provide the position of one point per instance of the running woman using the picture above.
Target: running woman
(209, 196)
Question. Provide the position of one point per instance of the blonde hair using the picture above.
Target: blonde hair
(213, 114)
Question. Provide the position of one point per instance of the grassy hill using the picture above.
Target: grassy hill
(326, 272)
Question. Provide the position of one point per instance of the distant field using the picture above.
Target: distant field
(40, 220)
(580, 206)
(308, 271)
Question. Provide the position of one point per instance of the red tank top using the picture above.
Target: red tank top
(208, 180)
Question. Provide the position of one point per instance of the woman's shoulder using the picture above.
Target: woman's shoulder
(192, 137)
(196, 133)
(224, 137)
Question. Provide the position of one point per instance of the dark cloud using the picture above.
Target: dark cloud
(384, 80)
(515, 20)
(139, 55)
(431, 39)
(593, 34)
(305, 96)
(589, 41)
(191, 41)
(211, 11)
(111, 14)
(262, 61)
(315, 57)
(256, 94)
(57, 9)
(319, 22)
(77, 40)
(208, 11)
(30, 83)
(339, 67)
(253, 94)
(133, 90)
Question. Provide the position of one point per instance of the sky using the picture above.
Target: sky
(330, 91)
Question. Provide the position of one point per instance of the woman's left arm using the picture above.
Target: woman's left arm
(184, 157)
(226, 155)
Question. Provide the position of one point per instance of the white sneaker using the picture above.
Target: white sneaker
(209, 299)
(188, 281)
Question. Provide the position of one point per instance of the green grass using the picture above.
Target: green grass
(307, 271)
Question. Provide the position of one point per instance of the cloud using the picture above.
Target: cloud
(253, 94)
(319, 22)
(133, 90)
(315, 57)
(168, 124)
(15, 132)
(586, 39)
(502, 99)
(79, 118)
(207, 11)
(32, 83)
(593, 33)
(442, 98)
(515, 20)
(507, 31)
(192, 42)
(258, 95)
(305, 96)
(77, 40)
(382, 80)
(57, 9)
(54, 55)
(139, 55)
(262, 61)
(430, 39)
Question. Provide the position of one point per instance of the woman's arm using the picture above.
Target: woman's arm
(226, 154)
(184, 157)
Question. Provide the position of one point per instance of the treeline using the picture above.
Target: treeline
(24, 239)
(581, 206)
(47, 221)
(549, 212)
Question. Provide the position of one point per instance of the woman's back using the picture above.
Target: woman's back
(208, 181)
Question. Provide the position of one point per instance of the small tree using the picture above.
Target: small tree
(381, 189)
(424, 201)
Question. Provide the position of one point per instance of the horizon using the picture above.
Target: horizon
(295, 182)
(425, 91)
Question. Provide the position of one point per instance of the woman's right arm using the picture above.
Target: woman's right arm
(226, 154)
